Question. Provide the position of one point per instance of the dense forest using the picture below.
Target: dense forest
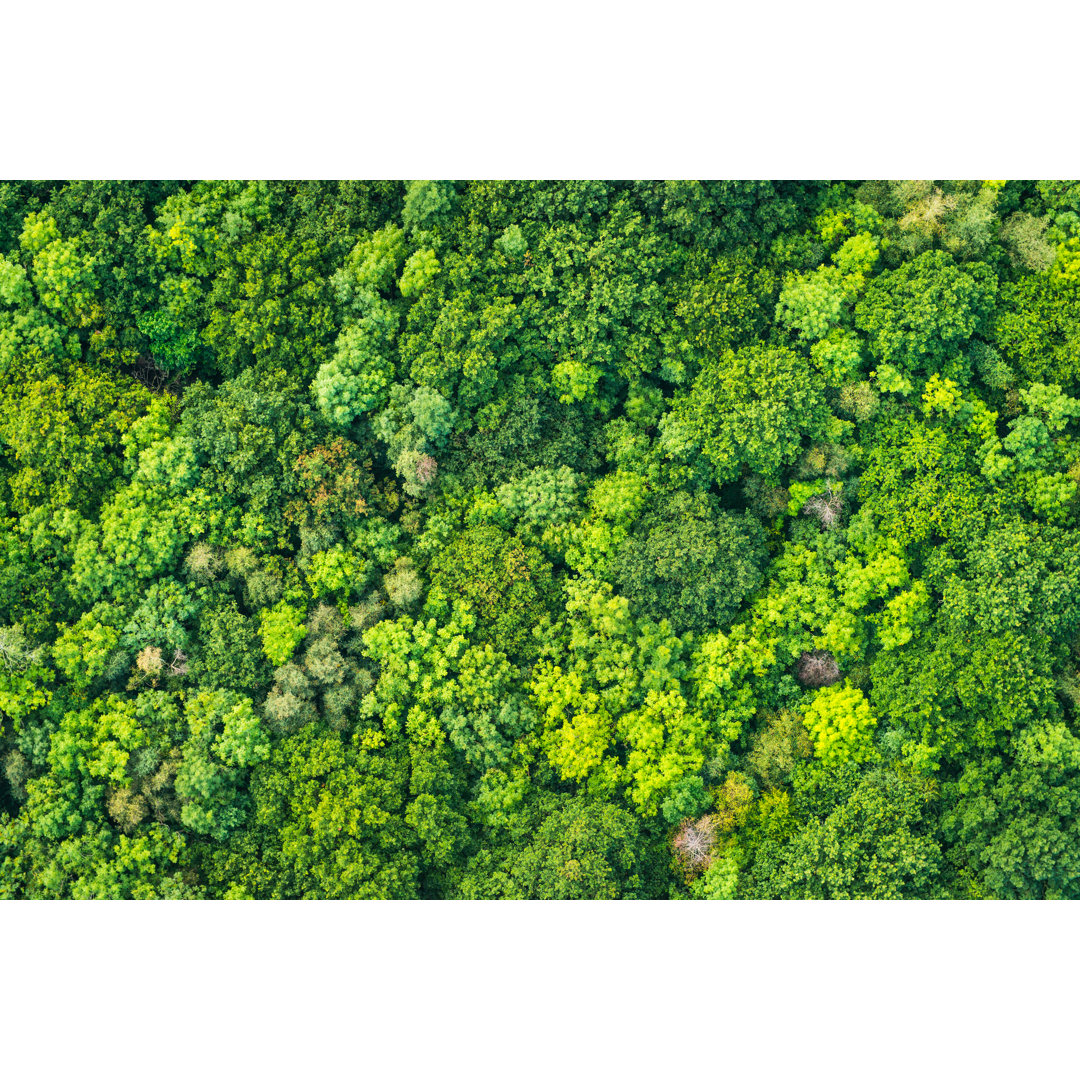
(540, 540)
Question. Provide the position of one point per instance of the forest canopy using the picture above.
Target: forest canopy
(540, 540)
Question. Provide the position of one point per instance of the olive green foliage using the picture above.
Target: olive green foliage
(540, 540)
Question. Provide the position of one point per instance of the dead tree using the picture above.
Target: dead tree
(693, 844)
(828, 509)
(817, 667)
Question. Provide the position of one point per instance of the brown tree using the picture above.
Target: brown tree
(693, 844)
(827, 509)
(816, 668)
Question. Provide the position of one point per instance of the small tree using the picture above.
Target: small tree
(777, 748)
(203, 563)
(1025, 237)
(841, 724)
(403, 585)
(426, 470)
(733, 802)
(149, 664)
(16, 653)
(282, 629)
(858, 400)
(178, 665)
(128, 808)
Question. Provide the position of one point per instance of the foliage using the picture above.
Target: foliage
(916, 316)
(508, 583)
(840, 722)
(548, 540)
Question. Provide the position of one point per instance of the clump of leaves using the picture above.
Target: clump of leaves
(764, 499)
(334, 483)
(151, 792)
(778, 748)
(1025, 237)
(403, 585)
(204, 563)
(128, 808)
(290, 703)
(733, 802)
(325, 622)
(370, 610)
(691, 562)
(151, 665)
(1069, 688)
(824, 459)
(16, 652)
(17, 772)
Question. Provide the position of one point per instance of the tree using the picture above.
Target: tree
(689, 562)
(725, 308)
(618, 708)
(1011, 830)
(751, 407)
(227, 654)
(66, 435)
(357, 380)
(852, 837)
(225, 739)
(269, 304)
(579, 850)
(508, 583)
(335, 485)
(916, 317)
(329, 822)
(282, 629)
(427, 203)
(1035, 328)
(420, 269)
(840, 722)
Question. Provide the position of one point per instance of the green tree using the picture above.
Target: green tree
(282, 629)
(65, 435)
(1011, 830)
(580, 850)
(752, 407)
(226, 738)
(917, 316)
(508, 584)
(840, 722)
(329, 821)
(848, 837)
(688, 561)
